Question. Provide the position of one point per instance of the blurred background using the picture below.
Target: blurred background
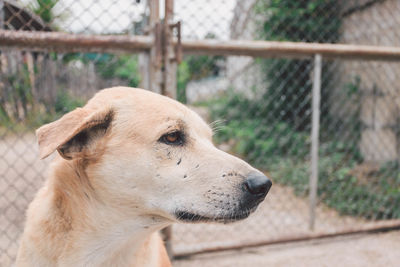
(259, 104)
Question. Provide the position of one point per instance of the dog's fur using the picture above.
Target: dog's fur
(118, 180)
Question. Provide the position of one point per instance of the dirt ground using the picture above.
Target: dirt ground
(21, 174)
(382, 249)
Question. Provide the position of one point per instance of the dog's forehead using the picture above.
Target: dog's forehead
(138, 105)
(132, 100)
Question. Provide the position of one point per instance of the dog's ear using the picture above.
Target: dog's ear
(75, 133)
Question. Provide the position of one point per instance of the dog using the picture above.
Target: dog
(129, 163)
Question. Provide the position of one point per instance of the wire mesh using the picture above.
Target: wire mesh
(87, 17)
(263, 107)
(38, 87)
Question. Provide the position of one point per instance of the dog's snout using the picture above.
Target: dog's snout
(257, 184)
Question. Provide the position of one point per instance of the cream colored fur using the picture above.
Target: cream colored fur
(115, 183)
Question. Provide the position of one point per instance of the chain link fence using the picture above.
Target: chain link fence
(38, 87)
(263, 112)
(261, 108)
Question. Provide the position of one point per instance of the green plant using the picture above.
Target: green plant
(260, 139)
(44, 8)
(304, 21)
(196, 67)
(66, 103)
(124, 67)
(16, 100)
(202, 66)
(183, 77)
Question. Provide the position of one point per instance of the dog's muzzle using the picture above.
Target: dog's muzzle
(253, 191)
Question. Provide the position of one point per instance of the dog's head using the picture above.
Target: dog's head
(150, 155)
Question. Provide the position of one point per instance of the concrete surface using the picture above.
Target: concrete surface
(382, 249)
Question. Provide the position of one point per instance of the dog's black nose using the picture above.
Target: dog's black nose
(257, 184)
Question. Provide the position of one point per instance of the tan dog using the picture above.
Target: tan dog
(131, 162)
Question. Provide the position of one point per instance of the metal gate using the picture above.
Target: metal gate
(36, 55)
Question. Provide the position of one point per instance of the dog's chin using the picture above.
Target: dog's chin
(195, 217)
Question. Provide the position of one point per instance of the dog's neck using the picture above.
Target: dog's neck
(116, 245)
(95, 233)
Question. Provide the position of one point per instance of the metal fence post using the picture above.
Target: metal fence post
(168, 84)
(316, 97)
(150, 62)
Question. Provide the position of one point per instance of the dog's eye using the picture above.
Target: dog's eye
(174, 138)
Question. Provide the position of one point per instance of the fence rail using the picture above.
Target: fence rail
(274, 49)
(67, 42)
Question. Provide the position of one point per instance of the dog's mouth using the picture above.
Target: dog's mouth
(187, 216)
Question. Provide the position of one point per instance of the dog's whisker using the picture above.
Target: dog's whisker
(217, 125)
(217, 122)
